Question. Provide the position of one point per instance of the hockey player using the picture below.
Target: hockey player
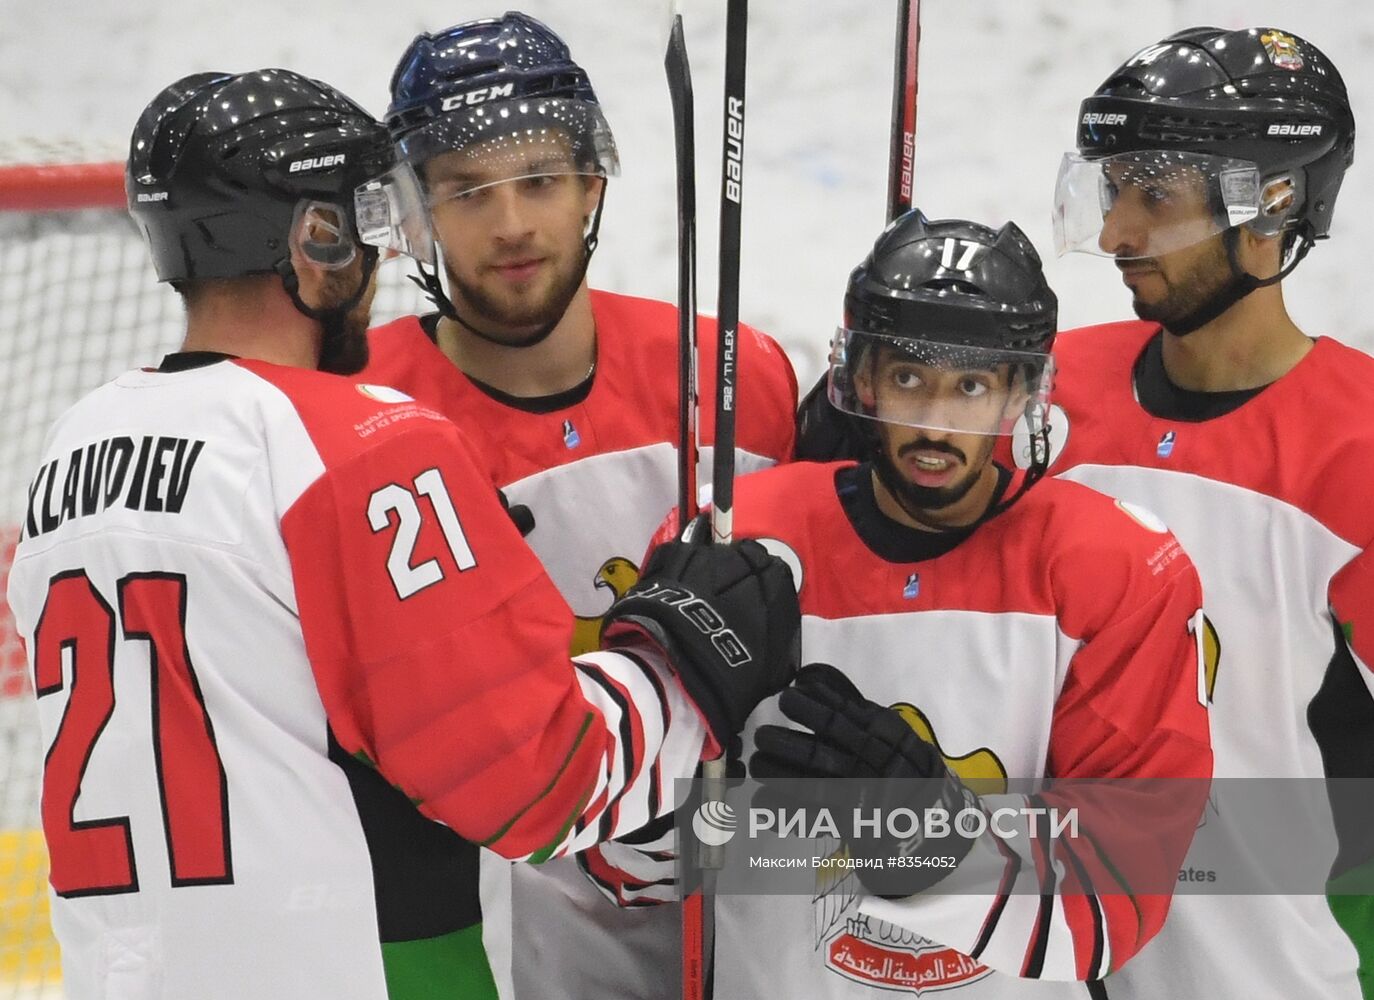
(568, 394)
(1206, 167)
(1004, 632)
(290, 654)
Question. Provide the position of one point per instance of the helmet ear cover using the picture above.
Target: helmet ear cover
(321, 232)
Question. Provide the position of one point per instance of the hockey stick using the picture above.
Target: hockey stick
(901, 162)
(727, 311)
(697, 921)
(727, 397)
(679, 74)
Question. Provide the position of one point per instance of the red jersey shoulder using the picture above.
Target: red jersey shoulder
(641, 335)
(400, 354)
(345, 418)
(786, 498)
(1324, 439)
(1102, 556)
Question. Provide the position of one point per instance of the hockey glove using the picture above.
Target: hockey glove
(521, 515)
(726, 615)
(863, 762)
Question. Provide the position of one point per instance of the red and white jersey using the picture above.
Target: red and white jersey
(1058, 639)
(1272, 502)
(599, 475)
(236, 579)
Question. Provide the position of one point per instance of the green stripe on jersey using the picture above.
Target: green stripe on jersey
(1355, 914)
(448, 967)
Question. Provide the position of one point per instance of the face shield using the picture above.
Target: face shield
(1151, 203)
(391, 215)
(467, 151)
(937, 386)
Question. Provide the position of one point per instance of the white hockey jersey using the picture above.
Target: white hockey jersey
(271, 614)
(1059, 639)
(1272, 501)
(599, 471)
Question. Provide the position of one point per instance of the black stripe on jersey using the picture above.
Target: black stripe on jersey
(1035, 958)
(616, 890)
(424, 875)
(1099, 930)
(666, 714)
(607, 888)
(1341, 718)
(628, 717)
(1009, 875)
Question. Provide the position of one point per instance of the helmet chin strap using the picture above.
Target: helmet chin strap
(434, 290)
(1241, 282)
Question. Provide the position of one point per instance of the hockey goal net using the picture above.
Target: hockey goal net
(79, 304)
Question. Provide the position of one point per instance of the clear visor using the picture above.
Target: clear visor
(1147, 204)
(467, 150)
(938, 386)
(391, 215)
(320, 231)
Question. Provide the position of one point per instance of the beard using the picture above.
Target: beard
(344, 348)
(529, 313)
(916, 499)
(1197, 285)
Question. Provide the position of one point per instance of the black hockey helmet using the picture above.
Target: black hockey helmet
(221, 166)
(948, 326)
(954, 282)
(1260, 115)
(505, 93)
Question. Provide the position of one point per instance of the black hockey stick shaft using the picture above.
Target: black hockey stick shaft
(697, 919)
(901, 162)
(727, 311)
(679, 74)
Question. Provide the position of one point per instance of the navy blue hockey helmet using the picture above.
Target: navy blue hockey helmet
(507, 86)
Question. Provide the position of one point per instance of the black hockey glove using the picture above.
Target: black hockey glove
(870, 762)
(728, 618)
(825, 434)
(519, 513)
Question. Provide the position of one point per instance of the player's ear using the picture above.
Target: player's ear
(592, 187)
(1018, 392)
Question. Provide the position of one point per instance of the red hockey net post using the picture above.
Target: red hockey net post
(69, 256)
(79, 304)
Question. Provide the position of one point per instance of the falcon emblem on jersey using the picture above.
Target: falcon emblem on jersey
(571, 438)
(617, 574)
(1211, 654)
(980, 769)
(1282, 49)
(1165, 448)
(1058, 422)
